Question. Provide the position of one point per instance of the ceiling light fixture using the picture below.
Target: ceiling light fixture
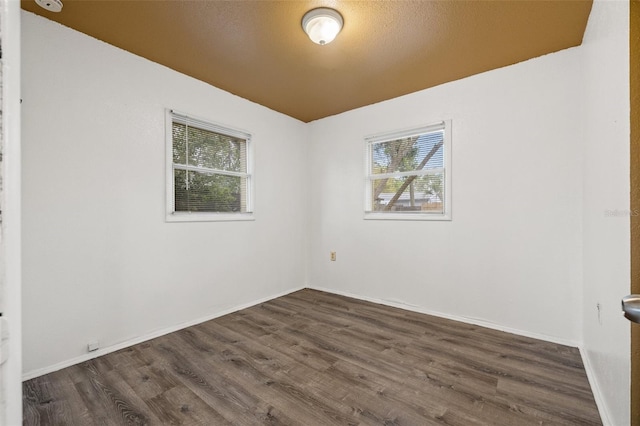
(50, 5)
(322, 25)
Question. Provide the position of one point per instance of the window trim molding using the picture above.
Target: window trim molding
(389, 136)
(170, 214)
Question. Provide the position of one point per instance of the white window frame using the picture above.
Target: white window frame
(446, 170)
(171, 215)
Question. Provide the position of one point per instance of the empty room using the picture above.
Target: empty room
(319, 212)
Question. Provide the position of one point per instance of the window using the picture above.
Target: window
(208, 171)
(409, 174)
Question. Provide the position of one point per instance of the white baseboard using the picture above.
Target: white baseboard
(474, 321)
(103, 351)
(595, 389)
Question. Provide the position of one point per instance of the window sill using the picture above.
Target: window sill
(209, 217)
(407, 216)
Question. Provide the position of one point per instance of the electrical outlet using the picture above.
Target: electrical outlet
(93, 346)
(333, 256)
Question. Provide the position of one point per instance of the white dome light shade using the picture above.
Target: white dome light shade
(50, 5)
(322, 25)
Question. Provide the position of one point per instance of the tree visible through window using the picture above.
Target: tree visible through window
(209, 166)
(408, 172)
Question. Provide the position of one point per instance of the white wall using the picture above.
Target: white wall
(100, 263)
(606, 187)
(511, 256)
(10, 245)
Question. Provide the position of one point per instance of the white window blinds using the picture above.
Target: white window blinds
(408, 172)
(210, 167)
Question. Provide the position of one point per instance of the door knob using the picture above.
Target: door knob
(631, 307)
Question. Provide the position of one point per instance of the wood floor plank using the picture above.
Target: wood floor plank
(180, 406)
(267, 374)
(105, 387)
(233, 402)
(327, 388)
(314, 358)
(53, 398)
(471, 351)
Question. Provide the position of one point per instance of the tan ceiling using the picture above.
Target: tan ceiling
(258, 50)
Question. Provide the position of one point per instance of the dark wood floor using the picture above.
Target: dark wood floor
(312, 358)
